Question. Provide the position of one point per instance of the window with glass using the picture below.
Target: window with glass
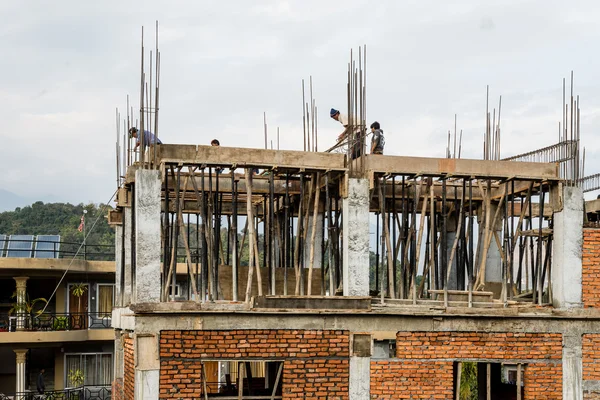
(95, 369)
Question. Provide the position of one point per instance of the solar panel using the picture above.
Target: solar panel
(2, 244)
(47, 246)
(19, 246)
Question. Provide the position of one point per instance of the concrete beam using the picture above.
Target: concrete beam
(56, 264)
(462, 167)
(245, 157)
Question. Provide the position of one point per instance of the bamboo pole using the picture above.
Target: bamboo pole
(313, 235)
(388, 244)
(251, 232)
(419, 240)
(256, 263)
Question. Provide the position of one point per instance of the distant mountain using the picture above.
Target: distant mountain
(9, 200)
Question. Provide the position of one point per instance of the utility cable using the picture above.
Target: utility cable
(79, 249)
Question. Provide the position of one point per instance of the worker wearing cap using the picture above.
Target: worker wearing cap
(343, 119)
(149, 137)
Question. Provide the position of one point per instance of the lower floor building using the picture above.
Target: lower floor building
(65, 366)
(382, 352)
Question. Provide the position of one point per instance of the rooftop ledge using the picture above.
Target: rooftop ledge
(362, 305)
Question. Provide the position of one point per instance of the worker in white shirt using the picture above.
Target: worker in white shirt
(354, 139)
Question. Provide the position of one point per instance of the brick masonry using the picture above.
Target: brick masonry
(316, 364)
(591, 363)
(591, 268)
(117, 390)
(420, 353)
(395, 379)
(129, 368)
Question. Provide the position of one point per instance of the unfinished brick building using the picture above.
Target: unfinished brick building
(266, 274)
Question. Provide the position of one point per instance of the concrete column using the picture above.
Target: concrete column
(127, 256)
(147, 370)
(360, 378)
(147, 236)
(119, 355)
(119, 267)
(493, 264)
(566, 250)
(20, 384)
(21, 300)
(359, 382)
(356, 238)
(572, 367)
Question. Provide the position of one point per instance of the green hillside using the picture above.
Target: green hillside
(61, 219)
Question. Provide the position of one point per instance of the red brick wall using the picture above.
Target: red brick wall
(117, 390)
(591, 268)
(397, 379)
(316, 379)
(421, 352)
(315, 361)
(591, 362)
(128, 368)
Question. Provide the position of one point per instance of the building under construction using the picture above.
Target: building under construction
(273, 274)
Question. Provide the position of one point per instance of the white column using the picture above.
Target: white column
(147, 370)
(567, 249)
(572, 367)
(356, 238)
(21, 299)
(20, 384)
(119, 267)
(127, 256)
(147, 236)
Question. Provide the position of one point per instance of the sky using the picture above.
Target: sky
(66, 67)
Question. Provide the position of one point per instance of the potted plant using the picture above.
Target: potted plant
(76, 377)
(26, 309)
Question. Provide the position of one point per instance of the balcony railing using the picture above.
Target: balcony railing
(39, 248)
(80, 393)
(55, 322)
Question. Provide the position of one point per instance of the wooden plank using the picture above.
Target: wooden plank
(247, 157)
(462, 167)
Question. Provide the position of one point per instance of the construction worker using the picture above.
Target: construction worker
(215, 143)
(377, 140)
(353, 139)
(149, 137)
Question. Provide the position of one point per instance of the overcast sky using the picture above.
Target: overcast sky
(66, 65)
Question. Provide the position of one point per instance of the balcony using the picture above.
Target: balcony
(80, 393)
(55, 322)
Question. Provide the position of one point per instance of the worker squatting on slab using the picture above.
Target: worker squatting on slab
(149, 137)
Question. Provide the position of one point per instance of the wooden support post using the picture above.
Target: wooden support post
(458, 379)
(519, 379)
(251, 263)
(204, 389)
(313, 234)
(279, 371)
(421, 229)
(488, 381)
(240, 376)
(386, 235)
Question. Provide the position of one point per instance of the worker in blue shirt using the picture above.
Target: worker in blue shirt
(149, 137)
